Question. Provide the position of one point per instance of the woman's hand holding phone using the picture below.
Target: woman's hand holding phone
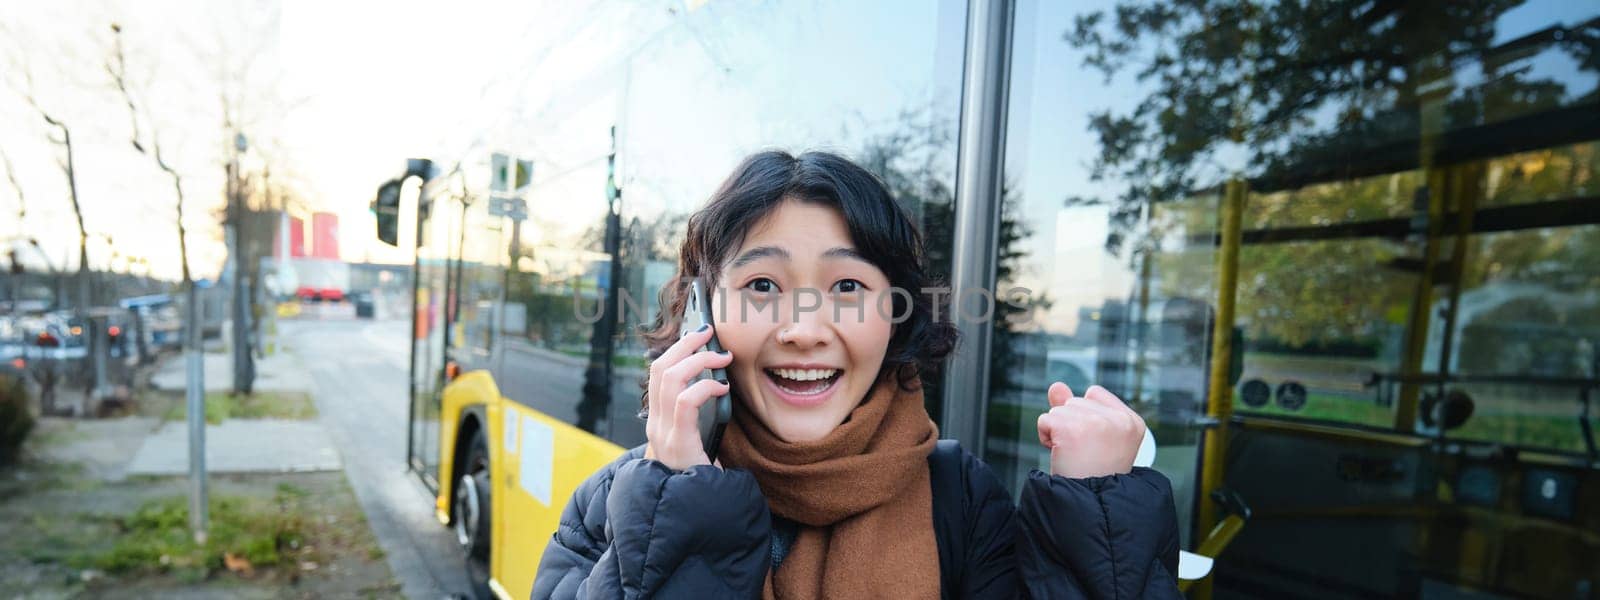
(672, 428)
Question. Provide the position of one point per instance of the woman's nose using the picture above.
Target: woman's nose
(805, 328)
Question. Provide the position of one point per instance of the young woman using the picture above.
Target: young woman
(828, 483)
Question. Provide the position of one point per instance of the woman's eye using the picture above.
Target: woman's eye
(848, 286)
(763, 285)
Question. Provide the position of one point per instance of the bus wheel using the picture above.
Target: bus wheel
(472, 513)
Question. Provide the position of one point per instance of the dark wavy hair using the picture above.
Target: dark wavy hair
(879, 227)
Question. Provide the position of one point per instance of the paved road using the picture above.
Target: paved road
(358, 371)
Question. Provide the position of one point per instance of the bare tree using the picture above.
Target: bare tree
(117, 67)
(62, 136)
(22, 200)
(22, 216)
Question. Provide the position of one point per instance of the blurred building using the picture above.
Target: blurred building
(325, 235)
(297, 237)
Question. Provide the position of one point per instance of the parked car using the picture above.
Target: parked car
(13, 345)
(58, 335)
(156, 325)
(363, 303)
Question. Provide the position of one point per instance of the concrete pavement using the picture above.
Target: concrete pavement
(278, 372)
(239, 446)
(358, 371)
(355, 372)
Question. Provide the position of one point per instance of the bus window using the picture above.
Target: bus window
(439, 226)
(1323, 299)
(1524, 336)
(1413, 290)
(482, 258)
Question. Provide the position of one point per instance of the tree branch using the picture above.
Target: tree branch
(22, 200)
(117, 67)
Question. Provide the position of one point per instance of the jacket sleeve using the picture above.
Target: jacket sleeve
(978, 541)
(647, 530)
(1099, 537)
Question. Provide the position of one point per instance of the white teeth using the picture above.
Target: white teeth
(805, 374)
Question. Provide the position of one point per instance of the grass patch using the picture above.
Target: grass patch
(1533, 431)
(388, 590)
(619, 360)
(221, 406)
(32, 476)
(1326, 407)
(155, 538)
(1548, 432)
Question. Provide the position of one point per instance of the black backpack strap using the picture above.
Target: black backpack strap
(947, 477)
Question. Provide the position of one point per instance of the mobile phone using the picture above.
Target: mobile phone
(716, 412)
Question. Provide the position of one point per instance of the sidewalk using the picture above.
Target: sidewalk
(77, 526)
(239, 445)
(280, 372)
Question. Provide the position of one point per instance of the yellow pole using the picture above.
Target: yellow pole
(1220, 408)
(1465, 187)
(1438, 186)
(1416, 340)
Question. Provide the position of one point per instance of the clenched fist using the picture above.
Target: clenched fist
(1090, 436)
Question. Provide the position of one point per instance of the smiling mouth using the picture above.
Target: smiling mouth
(804, 382)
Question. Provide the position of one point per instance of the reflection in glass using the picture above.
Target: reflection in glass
(881, 90)
(1415, 318)
(688, 93)
(1118, 295)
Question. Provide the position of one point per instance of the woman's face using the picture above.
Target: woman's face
(799, 310)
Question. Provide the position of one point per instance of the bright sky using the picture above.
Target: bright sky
(336, 95)
(174, 51)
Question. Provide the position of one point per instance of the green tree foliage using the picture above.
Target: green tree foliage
(1299, 94)
(1296, 86)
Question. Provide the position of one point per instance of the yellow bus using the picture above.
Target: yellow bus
(509, 411)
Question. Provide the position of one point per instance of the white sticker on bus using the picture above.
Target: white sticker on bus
(538, 459)
(511, 430)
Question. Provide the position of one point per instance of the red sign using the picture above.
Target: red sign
(325, 235)
(297, 237)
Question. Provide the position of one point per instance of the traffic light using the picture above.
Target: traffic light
(386, 207)
(523, 176)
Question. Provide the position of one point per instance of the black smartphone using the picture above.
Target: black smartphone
(715, 413)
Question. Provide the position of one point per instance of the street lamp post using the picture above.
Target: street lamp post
(106, 288)
(109, 273)
(199, 510)
(55, 274)
(243, 365)
(195, 397)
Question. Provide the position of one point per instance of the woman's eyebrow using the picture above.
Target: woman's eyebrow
(847, 253)
(758, 253)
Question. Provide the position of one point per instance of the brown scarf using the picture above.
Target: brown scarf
(861, 496)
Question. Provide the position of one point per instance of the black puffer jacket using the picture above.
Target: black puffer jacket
(637, 529)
